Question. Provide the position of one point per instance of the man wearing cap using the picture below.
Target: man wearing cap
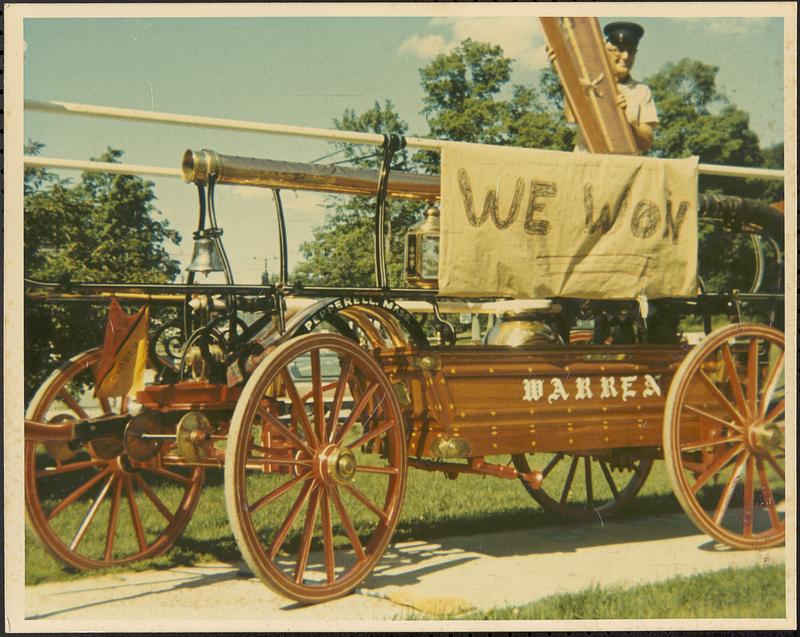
(622, 39)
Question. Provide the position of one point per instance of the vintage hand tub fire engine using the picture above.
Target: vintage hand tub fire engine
(316, 417)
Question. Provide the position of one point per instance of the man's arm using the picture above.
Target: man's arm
(642, 132)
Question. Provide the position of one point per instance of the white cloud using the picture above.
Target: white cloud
(521, 38)
(425, 46)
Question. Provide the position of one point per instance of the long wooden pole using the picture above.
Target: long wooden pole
(69, 108)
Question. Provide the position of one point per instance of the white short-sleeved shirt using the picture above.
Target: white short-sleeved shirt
(640, 107)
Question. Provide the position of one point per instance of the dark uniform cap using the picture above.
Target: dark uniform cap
(624, 33)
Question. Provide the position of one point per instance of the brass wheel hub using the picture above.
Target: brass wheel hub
(340, 465)
(764, 437)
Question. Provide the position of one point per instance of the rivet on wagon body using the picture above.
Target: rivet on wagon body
(570, 441)
(442, 381)
(491, 370)
(494, 445)
(602, 368)
(605, 438)
(452, 370)
(569, 410)
(605, 408)
(452, 407)
(463, 414)
(533, 443)
(493, 413)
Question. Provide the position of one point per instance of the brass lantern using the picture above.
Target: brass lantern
(422, 252)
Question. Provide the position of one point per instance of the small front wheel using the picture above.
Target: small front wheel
(315, 469)
(89, 506)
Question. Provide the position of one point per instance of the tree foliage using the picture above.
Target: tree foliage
(696, 119)
(460, 93)
(464, 102)
(105, 228)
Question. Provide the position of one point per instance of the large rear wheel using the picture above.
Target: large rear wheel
(724, 436)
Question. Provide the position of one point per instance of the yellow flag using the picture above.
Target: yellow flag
(121, 368)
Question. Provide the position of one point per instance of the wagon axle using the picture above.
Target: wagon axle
(478, 465)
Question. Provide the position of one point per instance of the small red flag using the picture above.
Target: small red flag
(121, 368)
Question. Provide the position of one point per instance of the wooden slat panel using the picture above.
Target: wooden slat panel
(589, 84)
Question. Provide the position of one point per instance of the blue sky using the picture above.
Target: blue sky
(306, 71)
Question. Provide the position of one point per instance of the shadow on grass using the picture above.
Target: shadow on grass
(528, 518)
(190, 550)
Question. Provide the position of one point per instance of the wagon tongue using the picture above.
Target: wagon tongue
(80, 431)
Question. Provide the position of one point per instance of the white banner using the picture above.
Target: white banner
(531, 223)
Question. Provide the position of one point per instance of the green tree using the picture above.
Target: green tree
(105, 228)
(463, 102)
(696, 119)
(535, 119)
(461, 91)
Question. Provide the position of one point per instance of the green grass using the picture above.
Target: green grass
(758, 591)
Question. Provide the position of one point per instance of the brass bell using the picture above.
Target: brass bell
(206, 257)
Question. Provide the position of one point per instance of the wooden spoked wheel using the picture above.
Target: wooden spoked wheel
(312, 520)
(585, 486)
(90, 506)
(724, 435)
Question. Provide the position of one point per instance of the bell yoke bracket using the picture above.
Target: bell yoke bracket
(391, 144)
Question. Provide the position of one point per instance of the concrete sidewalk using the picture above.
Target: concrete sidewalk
(447, 575)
